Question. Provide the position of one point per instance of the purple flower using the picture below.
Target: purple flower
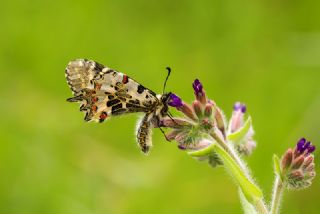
(240, 107)
(175, 101)
(304, 145)
(197, 86)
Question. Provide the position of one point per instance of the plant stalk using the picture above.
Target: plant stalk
(277, 195)
(261, 207)
(258, 204)
(229, 150)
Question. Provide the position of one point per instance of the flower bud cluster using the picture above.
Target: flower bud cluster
(297, 165)
(204, 120)
(201, 117)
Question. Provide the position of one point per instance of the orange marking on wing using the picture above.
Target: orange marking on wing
(97, 86)
(94, 99)
(94, 108)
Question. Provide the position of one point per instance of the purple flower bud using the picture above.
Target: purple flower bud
(182, 147)
(297, 162)
(199, 92)
(208, 110)
(236, 121)
(300, 145)
(197, 87)
(308, 161)
(175, 101)
(305, 146)
(171, 135)
(240, 107)
(196, 105)
(188, 111)
(287, 159)
(218, 115)
(174, 122)
(311, 149)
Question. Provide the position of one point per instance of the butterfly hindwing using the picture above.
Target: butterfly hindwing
(104, 92)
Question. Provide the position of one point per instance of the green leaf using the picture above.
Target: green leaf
(249, 189)
(202, 152)
(237, 136)
(247, 207)
(276, 166)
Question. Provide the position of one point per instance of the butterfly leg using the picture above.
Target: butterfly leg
(164, 134)
(171, 117)
(156, 122)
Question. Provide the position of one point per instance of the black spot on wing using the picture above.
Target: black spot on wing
(98, 66)
(135, 102)
(117, 109)
(151, 92)
(76, 98)
(113, 102)
(137, 107)
(88, 117)
(141, 89)
(128, 105)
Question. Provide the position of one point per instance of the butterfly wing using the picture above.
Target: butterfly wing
(104, 92)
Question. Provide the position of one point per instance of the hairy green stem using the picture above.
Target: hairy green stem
(277, 194)
(229, 150)
(245, 180)
(261, 207)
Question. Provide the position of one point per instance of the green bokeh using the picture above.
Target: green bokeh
(263, 53)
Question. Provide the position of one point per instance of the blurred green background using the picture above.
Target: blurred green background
(263, 53)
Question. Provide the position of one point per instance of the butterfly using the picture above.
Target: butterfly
(104, 93)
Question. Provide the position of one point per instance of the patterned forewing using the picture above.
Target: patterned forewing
(103, 92)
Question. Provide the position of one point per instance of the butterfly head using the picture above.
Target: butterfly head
(165, 97)
(163, 106)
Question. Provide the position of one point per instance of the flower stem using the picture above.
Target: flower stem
(246, 184)
(277, 194)
(261, 207)
(229, 150)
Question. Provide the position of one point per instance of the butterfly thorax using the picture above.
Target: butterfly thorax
(163, 104)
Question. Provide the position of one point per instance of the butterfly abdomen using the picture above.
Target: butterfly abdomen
(144, 134)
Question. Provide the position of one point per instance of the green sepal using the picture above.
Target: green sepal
(238, 135)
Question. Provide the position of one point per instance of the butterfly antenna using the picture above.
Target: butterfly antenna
(165, 82)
